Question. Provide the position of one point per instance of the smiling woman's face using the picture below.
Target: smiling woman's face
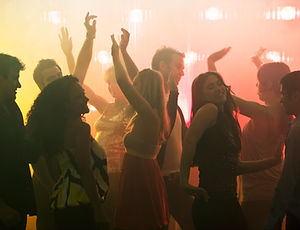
(78, 101)
(214, 91)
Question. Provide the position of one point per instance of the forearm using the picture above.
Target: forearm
(120, 72)
(131, 67)
(95, 100)
(257, 61)
(211, 65)
(70, 61)
(84, 58)
(250, 108)
(186, 162)
(255, 166)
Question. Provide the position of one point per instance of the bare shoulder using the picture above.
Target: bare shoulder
(210, 107)
(208, 112)
(205, 118)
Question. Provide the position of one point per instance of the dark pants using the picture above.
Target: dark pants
(180, 203)
(20, 226)
(218, 214)
(75, 218)
(292, 222)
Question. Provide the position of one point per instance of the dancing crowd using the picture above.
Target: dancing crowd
(134, 175)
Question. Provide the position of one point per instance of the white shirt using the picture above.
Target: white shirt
(173, 150)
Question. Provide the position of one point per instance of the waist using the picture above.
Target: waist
(143, 155)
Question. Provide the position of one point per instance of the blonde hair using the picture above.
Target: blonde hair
(151, 87)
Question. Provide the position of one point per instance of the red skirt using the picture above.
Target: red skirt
(142, 201)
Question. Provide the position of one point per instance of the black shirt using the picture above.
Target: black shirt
(15, 154)
(216, 157)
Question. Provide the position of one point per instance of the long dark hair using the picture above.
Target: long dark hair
(47, 118)
(229, 112)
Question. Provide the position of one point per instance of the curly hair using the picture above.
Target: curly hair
(46, 120)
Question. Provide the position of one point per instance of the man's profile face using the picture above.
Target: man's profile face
(176, 67)
(9, 85)
(50, 74)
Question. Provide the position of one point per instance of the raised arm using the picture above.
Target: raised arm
(256, 58)
(131, 67)
(67, 46)
(214, 57)
(247, 108)
(205, 117)
(139, 103)
(85, 54)
(95, 100)
(252, 109)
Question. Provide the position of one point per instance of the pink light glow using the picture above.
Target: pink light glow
(213, 13)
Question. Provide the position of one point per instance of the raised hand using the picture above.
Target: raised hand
(115, 47)
(260, 51)
(131, 67)
(173, 81)
(256, 57)
(65, 41)
(90, 28)
(124, 39)
(216, 56)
